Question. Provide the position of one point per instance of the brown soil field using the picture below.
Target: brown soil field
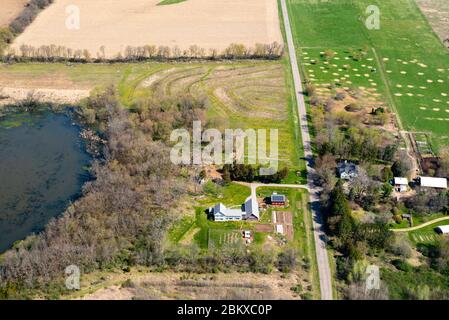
(9, 10)
(116, 24)
(173, 286)
(437, 12)
(286, 219)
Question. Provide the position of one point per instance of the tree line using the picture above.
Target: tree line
(55, 53)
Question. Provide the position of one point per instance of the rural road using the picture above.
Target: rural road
(318, 226)
(428, 223)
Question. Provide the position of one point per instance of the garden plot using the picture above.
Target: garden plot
(114, 25)
(424, 237)
(219, 238)
(285, 218)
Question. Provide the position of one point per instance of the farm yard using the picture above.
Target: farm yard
(412, 74)
(10, 9)
(224, 236)
(108, 27)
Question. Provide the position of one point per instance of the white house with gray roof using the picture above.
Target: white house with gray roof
(347, 170)
(249, 211)
(221, 213)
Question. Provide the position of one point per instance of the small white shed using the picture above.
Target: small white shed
(400, 184)
(443, 229)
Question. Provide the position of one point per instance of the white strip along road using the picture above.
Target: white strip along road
(318, 226)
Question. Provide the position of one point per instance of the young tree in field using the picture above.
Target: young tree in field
(150, 51)
(329, 54)
(103, 52)
(86, 55)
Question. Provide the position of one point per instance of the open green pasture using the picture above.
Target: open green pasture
(412, 63)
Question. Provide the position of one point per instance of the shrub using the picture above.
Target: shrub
(401, 265)
(353, 107)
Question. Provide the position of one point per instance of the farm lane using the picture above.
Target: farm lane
(428, 223)
(318, 225)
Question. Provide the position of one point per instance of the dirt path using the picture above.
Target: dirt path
(69, 96)
(421, 225)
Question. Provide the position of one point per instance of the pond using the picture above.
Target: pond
(42, 169)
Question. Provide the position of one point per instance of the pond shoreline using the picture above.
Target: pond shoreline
(46, 162)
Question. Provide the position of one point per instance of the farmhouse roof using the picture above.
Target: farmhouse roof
(400, 181)
(346, 167)
(251, 207)
(220, 208)
(432, 182)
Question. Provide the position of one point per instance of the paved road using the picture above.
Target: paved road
(318, 227)
(421, 225)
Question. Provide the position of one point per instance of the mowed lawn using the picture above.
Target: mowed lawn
(427, 235)
(411, 62)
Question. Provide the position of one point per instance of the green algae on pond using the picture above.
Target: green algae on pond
(42, 169)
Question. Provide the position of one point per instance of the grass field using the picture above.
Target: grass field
(412, 66)
(242, 95)
(427, 235)
(417, 220)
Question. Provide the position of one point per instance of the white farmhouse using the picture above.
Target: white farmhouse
(221, 213)
(250, 211)
(347, 170)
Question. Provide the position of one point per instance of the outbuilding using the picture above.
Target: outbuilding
(443, 229)
(278, 200)
(431, 182)
(400, 184)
